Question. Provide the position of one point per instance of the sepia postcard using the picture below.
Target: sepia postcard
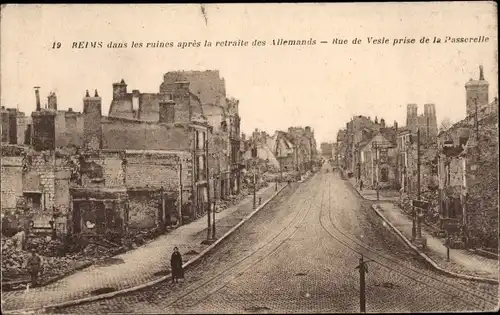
(249, 158)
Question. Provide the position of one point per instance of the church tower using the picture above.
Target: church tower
(476, 92)
(92, 113)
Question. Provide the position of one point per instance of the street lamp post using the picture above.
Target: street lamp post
(377, 157)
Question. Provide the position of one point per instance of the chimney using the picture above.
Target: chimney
(135, 100)
(70, 109)
(481, 73)
(52, 101)
(382, 122)
(119, 89)
(396, 125)
(37, 95)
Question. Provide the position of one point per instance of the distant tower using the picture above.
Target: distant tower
(476, 92)
(411, 117)
(43, 124)
(52, 101)
(119, 89)
(431, 128)
(92, 113)
(37, 96)
(5, 125)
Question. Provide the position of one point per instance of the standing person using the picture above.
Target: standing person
(361, 185)
(34, 267)
(20, 239)
(176, 265)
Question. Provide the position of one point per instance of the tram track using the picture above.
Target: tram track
(269, 248)
(454, 290)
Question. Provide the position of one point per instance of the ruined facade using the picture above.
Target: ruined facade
(376, 160)
(155, 160)
(326, 149)
(354, 135)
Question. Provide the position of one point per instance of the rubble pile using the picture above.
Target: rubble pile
(55, 261)
(93, 252)
(431, 216)
(12, 258)
(45, 246)
(137, 237)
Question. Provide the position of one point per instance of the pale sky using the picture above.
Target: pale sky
(278, 86)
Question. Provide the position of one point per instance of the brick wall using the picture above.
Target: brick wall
(43, 164)
(11, 183)
(22, 125)
(143, 209)
(114, 173)
(43, 124)
(61, 190)
(69, 129)
(42, 173)
(152, 170)
(122, 134)
(92, 129)
(482, 185)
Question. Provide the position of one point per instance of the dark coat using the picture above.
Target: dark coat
(176, 265)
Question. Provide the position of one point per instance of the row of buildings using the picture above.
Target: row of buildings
(156, 159)
(292, 152)
(457, 166)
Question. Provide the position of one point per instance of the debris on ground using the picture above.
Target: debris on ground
(55, 262)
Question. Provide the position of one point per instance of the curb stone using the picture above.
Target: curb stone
(150, 283)
(428, 259)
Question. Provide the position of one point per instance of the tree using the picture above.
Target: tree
(445, 124)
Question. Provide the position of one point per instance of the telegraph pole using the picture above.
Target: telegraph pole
(477, 128)
(363, 269)
(213, 222)
(254, 189)
(208, 189)
(419, 230)
(378, 166)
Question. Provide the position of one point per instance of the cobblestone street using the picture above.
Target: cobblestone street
(299, 254)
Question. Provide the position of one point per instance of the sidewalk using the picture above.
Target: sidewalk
(136, 267)
(462, 262)
(371, 194)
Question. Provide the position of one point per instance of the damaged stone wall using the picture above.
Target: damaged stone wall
(120, 134)
(482, 185)
(143, 209)
(40, 181)
(429, 189)
(11, 185)
(153, 170)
